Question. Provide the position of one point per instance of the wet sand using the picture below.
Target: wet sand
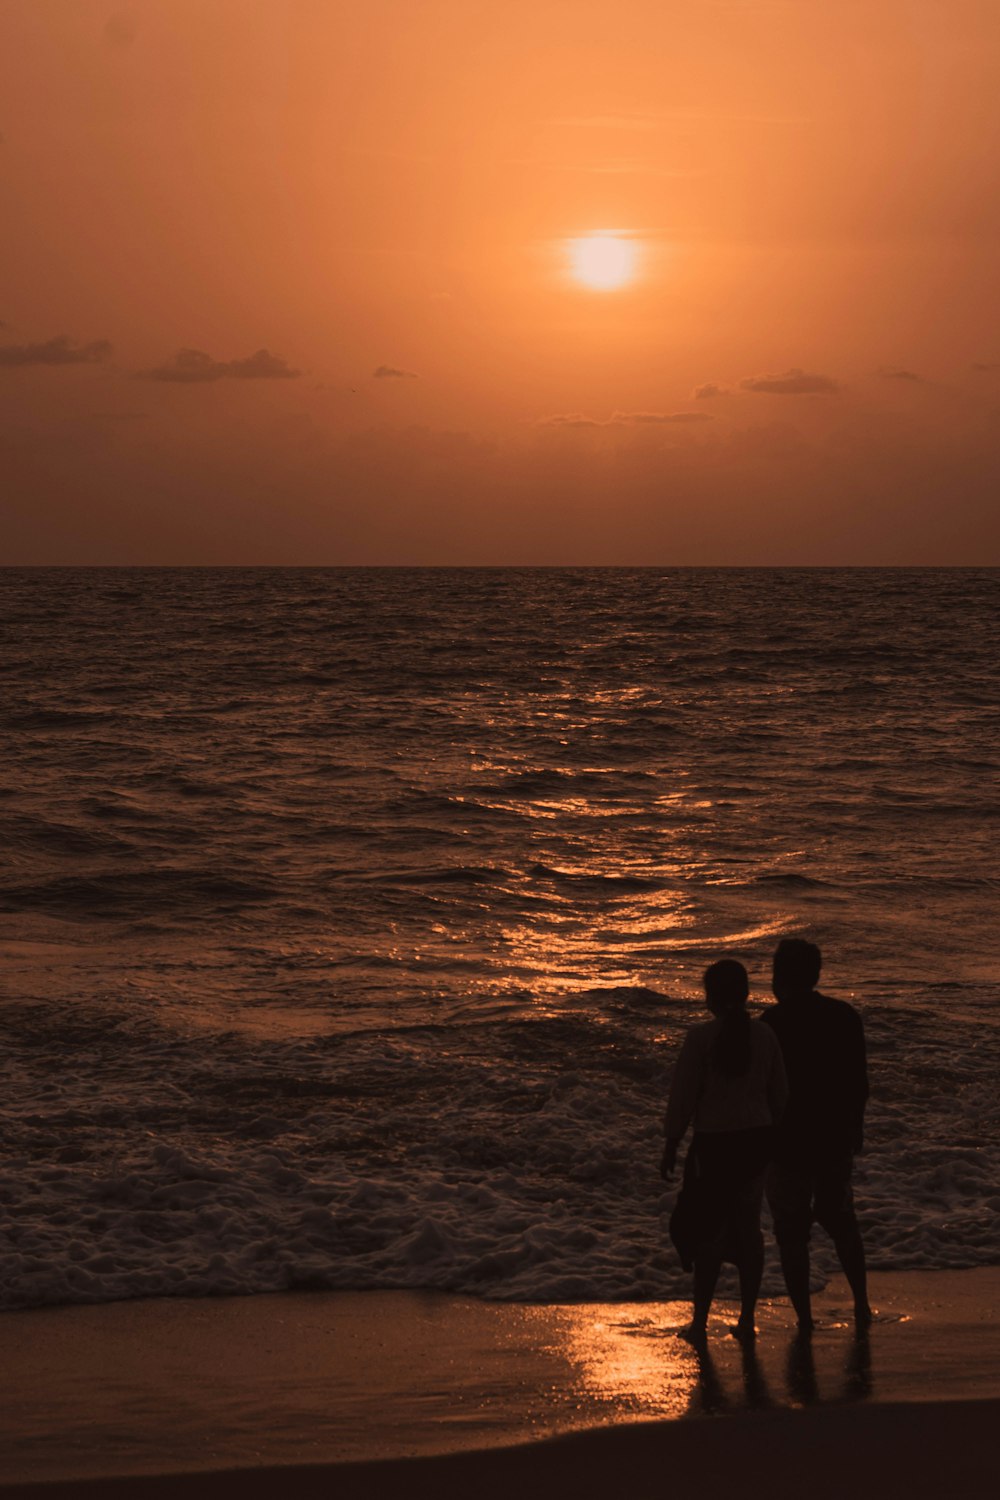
(376, 1392)
(929, 1452)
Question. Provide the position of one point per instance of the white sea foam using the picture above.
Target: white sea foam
(512, 1160)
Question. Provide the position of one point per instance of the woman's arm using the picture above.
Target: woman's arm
(682, 1100)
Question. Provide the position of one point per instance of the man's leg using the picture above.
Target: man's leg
(835, 1212)
(789, 1195)
(851, 1253)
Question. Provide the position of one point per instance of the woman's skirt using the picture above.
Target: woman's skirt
(718, 1206)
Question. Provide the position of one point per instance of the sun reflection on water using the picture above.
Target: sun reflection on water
(627, 1356)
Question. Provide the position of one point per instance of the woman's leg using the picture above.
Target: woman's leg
(707, 1265)
(750, 1251)
(751, 1272)
(703, 1160)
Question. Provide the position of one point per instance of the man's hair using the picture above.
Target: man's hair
(797, 962)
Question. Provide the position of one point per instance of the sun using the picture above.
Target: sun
(603, 261)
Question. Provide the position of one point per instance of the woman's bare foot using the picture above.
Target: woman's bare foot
(693, 1333)
(744, 1329)
(864, 1316)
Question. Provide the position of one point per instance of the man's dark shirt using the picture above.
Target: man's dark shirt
(823, 1044)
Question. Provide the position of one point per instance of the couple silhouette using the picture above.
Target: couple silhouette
(777, 1105)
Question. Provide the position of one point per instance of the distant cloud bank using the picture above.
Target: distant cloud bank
(638, 418)
(195, 367)
(389, 372)
(793, 382)
(58, 351)
(627, 419)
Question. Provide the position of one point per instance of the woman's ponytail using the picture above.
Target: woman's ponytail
(726, 988)
(731, 1051)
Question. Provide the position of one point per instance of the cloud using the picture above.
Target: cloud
(893, 374)
(639, 417)
(618, 120)
(708, 390)
(624, 120)
(569, 419)
(262, 366)
(613, 166)
(794, 382)
(195, 367)
(58, 351)
(388, 372)
(119, 31)
(626, 419)
(631, 166)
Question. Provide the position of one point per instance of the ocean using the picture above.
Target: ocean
(350, 920)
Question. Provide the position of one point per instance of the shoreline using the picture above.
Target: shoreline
(308, 1380)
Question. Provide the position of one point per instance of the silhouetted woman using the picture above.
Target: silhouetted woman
(730, 1081)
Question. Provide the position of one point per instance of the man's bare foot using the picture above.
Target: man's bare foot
(805, 1328)
(864, 1316)
(693, 1333)
(745, 1329)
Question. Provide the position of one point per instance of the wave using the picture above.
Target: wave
(509, 1158)
(135, 892)
(60, 718)
(23, 833)
(595, 881)
(448, 875)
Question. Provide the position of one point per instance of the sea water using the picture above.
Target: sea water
(350, 920)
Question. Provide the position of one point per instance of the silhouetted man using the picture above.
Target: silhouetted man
(823, 1044)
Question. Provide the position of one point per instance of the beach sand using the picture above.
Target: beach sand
(380, 1393)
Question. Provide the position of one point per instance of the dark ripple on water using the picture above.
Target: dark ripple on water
(319, 740)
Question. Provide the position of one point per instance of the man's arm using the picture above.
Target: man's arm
(856, 1080)
(777, 1084)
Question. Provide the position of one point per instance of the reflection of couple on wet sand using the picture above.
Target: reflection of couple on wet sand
(777, 1103)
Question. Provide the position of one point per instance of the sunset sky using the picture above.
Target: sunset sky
(313, 281)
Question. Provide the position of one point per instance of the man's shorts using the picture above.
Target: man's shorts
(815, 1191)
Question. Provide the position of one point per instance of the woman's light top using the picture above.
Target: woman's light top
(714, 1100)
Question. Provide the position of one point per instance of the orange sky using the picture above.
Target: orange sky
(810, 187)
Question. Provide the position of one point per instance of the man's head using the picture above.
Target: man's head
(796, 968)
